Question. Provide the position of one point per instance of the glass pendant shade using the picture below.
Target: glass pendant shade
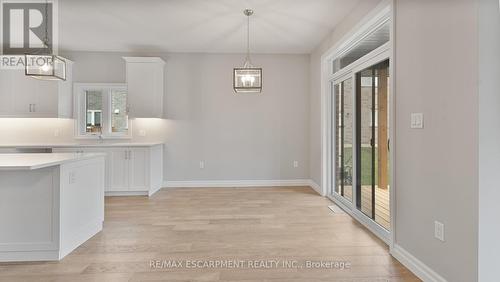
(45, 67)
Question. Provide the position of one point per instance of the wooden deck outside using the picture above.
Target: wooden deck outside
(382, 204)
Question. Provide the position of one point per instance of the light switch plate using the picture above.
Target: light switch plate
(142, 132)
(417, 120)
(439, 230)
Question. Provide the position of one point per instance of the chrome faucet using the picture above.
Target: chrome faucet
(101, 139)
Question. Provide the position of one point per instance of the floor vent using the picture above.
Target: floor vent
(335, 209)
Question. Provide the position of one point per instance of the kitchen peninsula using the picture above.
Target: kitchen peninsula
(49, 204)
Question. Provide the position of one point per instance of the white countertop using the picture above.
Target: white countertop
(70, 145)
(36, 161)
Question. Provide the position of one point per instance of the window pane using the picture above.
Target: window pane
(343, 134)
(93, 109)
(374, 144)
(374, 40)
(119, 116)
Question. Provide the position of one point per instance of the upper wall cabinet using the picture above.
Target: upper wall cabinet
(26, 97)
(145, 86)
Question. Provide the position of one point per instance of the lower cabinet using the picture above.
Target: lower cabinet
(129, 170)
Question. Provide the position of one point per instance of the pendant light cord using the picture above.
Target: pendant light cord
(248, 38)
(46, 38)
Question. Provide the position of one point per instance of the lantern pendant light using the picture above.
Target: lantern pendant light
(45, 66)
(247, 79)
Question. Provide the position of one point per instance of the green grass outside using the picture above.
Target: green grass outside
(366, 169)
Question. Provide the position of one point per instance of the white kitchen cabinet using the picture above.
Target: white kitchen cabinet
(129, 170)
(5, 91)
(144, 78)
(138, 162)
(23, 96)
(118, 169)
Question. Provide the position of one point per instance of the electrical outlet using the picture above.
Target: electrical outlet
(295, 164)
(439, 230)
(417, 120)
(57, 132)
(202, 164)
(142, 132)
(72, 177)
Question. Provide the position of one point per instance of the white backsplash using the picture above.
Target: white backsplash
(54, 130)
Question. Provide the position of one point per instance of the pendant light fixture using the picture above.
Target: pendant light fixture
(45, 66)
(247, 79)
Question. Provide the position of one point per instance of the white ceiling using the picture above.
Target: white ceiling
(219, 26)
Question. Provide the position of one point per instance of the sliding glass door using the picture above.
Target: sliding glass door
(373, 143)
(342, 129)
(357, 155)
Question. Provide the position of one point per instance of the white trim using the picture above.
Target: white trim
(237, 183)
(416, 266)
(80, 114)
(361, 30)
(381, 15)
(316, 187)
(125, 193)
(392, 123)
(371, 225)
(369, 23)
(144, 60)
(29, 256)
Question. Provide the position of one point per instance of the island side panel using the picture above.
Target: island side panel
(81, 202)
(156, 169)
(29, 214)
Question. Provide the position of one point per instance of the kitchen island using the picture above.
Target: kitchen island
(49, 204)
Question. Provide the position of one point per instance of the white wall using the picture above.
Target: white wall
(489, 139)
(437, 167)
(240, 137)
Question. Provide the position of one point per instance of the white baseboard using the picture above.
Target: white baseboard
(236, 183)
(125, 193)
(75, 239)
(16, 256)
(316, 187)
(416, 266)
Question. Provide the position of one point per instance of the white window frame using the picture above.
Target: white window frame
(372, 22)
(79, 91)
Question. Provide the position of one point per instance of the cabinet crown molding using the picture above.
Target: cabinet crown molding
(144, 60)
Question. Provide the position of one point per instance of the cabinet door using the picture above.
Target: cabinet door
(5, 92)
(65, 94)
(46, 98)
(138, 169)
(24, 93)
(118, 169)
(145, 87)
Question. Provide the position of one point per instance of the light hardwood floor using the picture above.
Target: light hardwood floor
(288, 223)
